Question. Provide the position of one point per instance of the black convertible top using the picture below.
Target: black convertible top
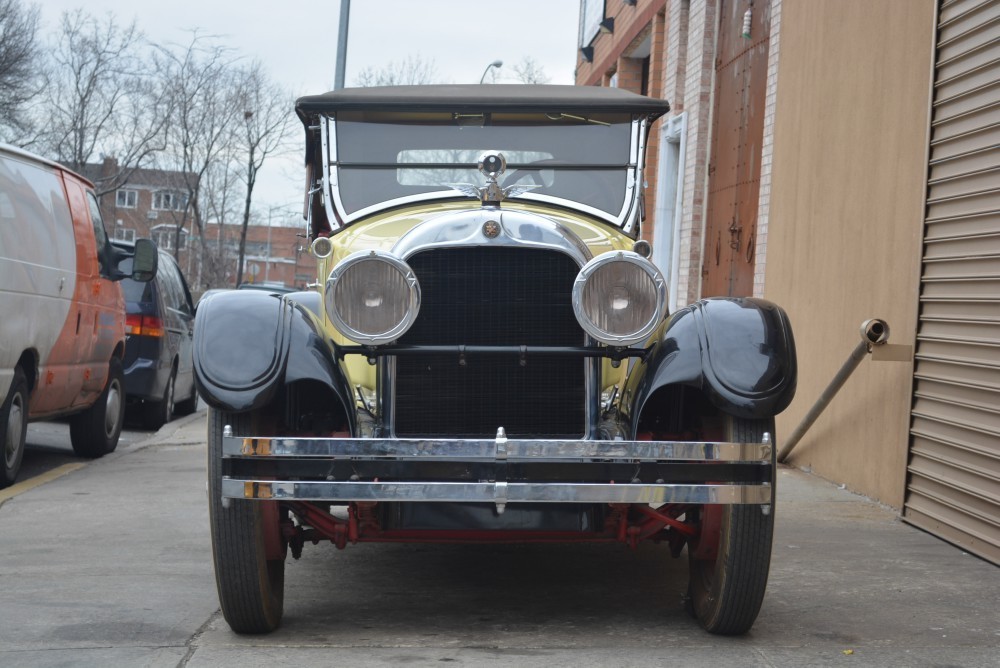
(474, 98)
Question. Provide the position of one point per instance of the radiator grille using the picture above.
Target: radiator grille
(492, 296)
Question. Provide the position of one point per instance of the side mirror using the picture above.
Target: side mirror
(145, 261)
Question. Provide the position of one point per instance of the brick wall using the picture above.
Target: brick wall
(630, 22)
(693, 79)
(767, 149)
(618, 60)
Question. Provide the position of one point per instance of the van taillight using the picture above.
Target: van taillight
(143, 325)
(152, 326)
(133, 324)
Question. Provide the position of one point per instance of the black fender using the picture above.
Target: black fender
(738, 351)
(249, 344)
(307, 298)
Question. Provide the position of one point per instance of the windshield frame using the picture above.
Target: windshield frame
(626, 219)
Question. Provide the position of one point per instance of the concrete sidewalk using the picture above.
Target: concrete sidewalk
(111, 565)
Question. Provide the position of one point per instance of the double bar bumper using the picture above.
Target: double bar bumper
(499, 471)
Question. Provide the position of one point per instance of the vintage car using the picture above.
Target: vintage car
(487, 355)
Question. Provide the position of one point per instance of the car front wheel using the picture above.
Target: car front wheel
(250, 577)
(727, 580)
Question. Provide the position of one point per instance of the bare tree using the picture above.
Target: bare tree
(103, 97)
(20, 58)
(266, 123)
(413, 70)
(528, 71)
(219, 198)
(205, 99)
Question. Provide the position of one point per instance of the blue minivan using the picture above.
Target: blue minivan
(159, 327)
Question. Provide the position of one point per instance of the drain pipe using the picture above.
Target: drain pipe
(874, 332)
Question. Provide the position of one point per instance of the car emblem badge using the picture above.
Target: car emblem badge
(491, 229)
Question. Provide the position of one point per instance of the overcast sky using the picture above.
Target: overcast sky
(297, 42)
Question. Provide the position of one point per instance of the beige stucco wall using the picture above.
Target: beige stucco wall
(846, 213)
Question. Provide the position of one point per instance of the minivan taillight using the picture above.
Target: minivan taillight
(133, 324)
(143, 325)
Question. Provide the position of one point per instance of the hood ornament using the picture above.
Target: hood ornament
(492, 164)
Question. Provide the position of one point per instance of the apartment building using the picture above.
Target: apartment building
(153, 204)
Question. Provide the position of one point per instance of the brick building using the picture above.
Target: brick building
(274, 254)
(840, 158)
(152, 203)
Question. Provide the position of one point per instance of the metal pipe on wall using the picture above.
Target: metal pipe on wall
(874, 332)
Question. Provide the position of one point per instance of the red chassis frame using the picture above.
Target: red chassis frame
(627, 523)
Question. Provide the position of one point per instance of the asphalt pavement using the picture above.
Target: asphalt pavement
(109, 564)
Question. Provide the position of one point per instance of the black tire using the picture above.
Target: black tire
(13, 428)
(725, 594)
(251, 587)
(155, 414)
(187, 406)
(94, 432)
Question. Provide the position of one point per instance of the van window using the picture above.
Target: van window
(103, 246)
(175, 294)
(171, 286)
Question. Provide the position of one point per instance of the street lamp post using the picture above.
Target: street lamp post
(496, 63)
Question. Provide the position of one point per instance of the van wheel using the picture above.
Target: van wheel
(94, 432)
(155, 414)
(187, 406)
(13, 428)
(726, 590)
(250, 580)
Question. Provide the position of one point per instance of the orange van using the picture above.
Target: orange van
(62, 313)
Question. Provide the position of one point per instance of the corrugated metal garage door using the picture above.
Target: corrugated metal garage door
(953, 487)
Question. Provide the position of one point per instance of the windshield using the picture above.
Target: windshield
(386, 156)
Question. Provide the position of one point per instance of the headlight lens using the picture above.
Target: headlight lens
(372, 297)
(619, 298)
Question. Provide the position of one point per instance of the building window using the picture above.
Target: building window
(257, 249)
(125, 234)
(169, 200)
(126, 199)
(165, 235)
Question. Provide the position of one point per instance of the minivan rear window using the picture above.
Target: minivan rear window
(134, 290)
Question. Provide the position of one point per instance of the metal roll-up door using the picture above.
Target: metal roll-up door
(953, 482)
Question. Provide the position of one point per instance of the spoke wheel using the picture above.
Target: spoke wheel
(13, 428)
(95, 431)
(251, 585)
(727, 585)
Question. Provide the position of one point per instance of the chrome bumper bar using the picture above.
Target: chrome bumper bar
(320, 452)
(495, 492)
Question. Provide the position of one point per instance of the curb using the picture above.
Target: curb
(165, 433)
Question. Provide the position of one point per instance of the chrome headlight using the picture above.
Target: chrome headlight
(619, 298)
(372, 297)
